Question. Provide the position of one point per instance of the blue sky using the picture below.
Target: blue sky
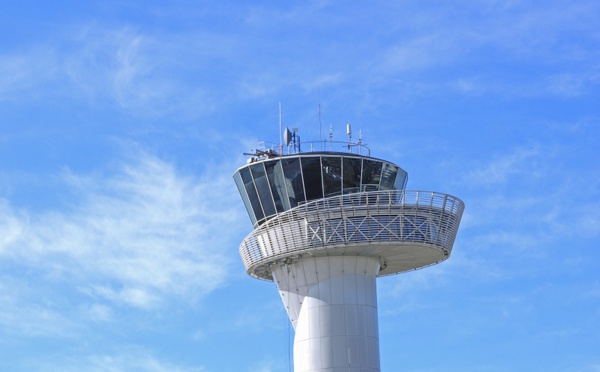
(121, 124)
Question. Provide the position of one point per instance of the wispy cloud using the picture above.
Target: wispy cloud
(135, 238)
(147, 72)
(572, 84)
(501, 169)
(23, 72)
(268, 364)
(130, 359)
(136, 71)
(141, 72)
(420, 53)
(32, 311)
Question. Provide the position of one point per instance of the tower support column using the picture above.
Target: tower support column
(332, 304)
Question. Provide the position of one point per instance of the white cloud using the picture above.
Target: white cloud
(420, 53)
(99, 313)
(134, 239)
(518, 161)
(572, 84)
(25, 71)
(408, 283)
(30, 311)
(11, 226)
(268, 364)
(149, 73)
(141, 72)
(144, 74)
(130, 359)
(529, 189)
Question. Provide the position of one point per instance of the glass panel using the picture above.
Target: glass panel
(388, 176)
(277, 183)
(251, 191)
(352, 169)
(313, 184)
(371, 175)
(401, 179)
(293, 181)
(240, 185)
(332, 175)
(262, 186)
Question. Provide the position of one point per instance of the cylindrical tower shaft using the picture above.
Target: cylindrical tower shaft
(332, 303)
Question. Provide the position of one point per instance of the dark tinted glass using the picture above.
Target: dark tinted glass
(251, 191)
(293, 181)
(332, 175)
(277, 183)
(313, 184)
(240, 185)
(371, 175)
(262, 186)
(388, 176)
(352, 172)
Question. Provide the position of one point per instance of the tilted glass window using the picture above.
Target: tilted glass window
(332, 175)
(401, 179)
(262, 186)
(371, 175)
(388, 176)
(293, 181)
(252, 195)
(277, 183)
(352, 171)
(242, 189)
(313, 184)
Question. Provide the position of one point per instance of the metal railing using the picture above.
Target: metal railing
(369, 219)
(314, 146)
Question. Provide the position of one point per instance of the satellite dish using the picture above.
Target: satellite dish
(287, 136)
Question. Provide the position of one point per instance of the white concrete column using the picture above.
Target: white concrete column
(332, 303)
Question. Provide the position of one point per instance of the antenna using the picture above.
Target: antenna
(280, 144)
(320, 126)
(288, 136)
(296, 139)
(349, 131)
(359, 141)
(330, 137)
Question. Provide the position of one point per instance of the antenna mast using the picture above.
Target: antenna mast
(320, 126)
(359, 141)
(280, 133)
(330, 137)
(349, 132)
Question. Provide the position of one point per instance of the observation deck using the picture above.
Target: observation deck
(404, 230)
(330, 203)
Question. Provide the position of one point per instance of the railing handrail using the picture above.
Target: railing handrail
(443, 201)
(418, 217)
(358, 148)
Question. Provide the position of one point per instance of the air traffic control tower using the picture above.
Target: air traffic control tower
(327, 223)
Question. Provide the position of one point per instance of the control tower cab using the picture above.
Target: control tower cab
(326, 224)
